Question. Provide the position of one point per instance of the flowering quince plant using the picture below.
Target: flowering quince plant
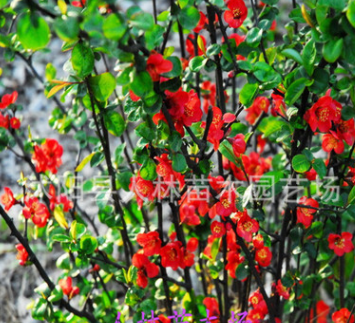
(227, 147)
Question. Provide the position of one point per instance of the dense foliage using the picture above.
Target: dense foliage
(222, 168)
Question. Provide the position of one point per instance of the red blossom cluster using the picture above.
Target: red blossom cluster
(305, 214)
(325, 115)
(48, 156)
(66, 284)
(22, 254)
(5, 120)
(173, 255)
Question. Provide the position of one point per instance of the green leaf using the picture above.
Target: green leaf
(351, 197)
(60, 238)
(336, 4)
(80, 167)
(189, 17)
(141, 83)
(114, 123)
(196, 63)
(142, 20)
(213, 49)
(320, 168)
(67, 28)
(248, 94)
(82, 59)
(350, 13)
(309, 56)
(88, 244)
(77, 230)
(226, 150)
(175, 141)
(97, 159)
(333, 49)
(270, 125)
(242, 271)
(300, 163)
(146, 132)
(33, 31)
(50, 72)
(295, 90)
(254, 36)
(102, 86)
(179, 163)
(114, 27)
(293, 54)
(148, 170)
(177, 67)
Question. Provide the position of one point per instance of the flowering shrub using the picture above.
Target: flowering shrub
(228, 160)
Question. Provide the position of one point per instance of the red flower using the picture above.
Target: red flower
(191, 202)
(35, 210)
(8, 99)
(184, 109)
(15, 123)
(234, 259)
(142, 189)
(66, 285)
(171, 255)
(239, 145)
(192, 244)
(145, 269)
(257, 301)
(163, 319)
(218, 230)
(150, 242)
(187, 258)
(22, 254)
(254, 165)
(236, 14)
(215, 133)
(282, 290)
(322, 311)
(342, 316)
(273, 25)
(7, 199)
(188, 215)
(208, 92)
(247, 226)
(263, 256)
(341, 243)
(226, 205)
(331, 141)
(79, 4)
(190, 45)
(192, 109)
(259, 105)
(61, 199)
(201, 23)
(165, 170)
(4, 121)
(278, 105)
(255, 316)
(213, 308)
(305, 215)
(311, 174)
(346, 131)
(322, 113)
(133, 97)
(156, 65)
(237, 38)
(48, 156)
(258, 241)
